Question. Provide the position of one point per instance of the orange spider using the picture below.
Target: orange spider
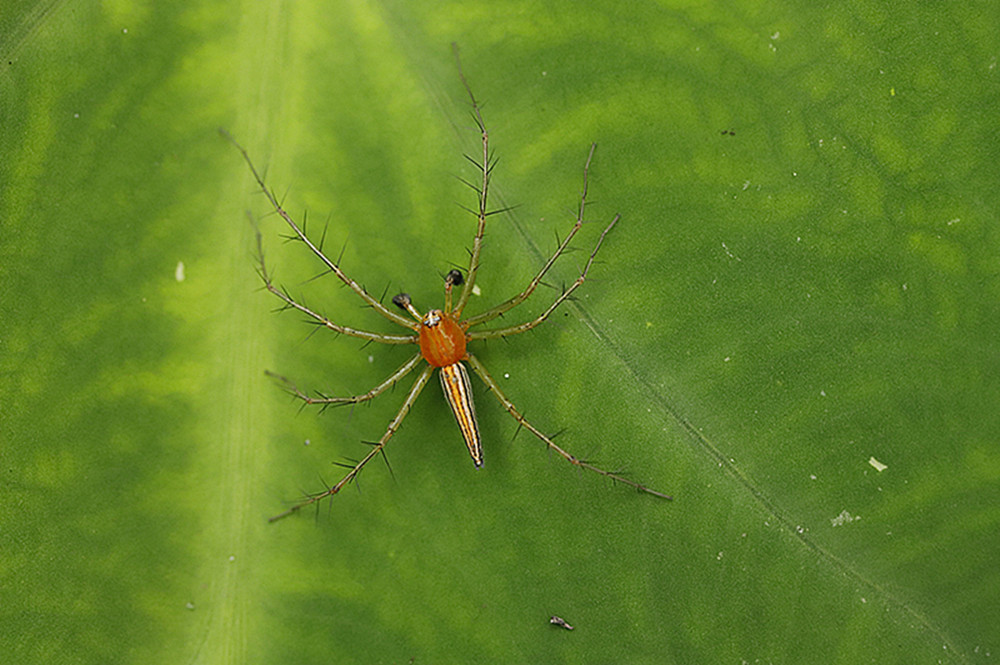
(442, 334)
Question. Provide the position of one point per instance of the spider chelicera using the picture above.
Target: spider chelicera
(442, 334)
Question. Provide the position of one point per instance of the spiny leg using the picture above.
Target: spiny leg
(493, 313)
(300, 235)
(405, 369)
(512, 410)
(528, 325)
(376, 449)
(486, 167)
(290, 303)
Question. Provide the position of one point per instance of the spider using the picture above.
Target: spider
(442, 334)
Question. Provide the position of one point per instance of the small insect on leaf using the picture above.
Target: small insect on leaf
(559, 621)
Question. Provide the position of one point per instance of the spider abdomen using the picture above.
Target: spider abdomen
(442, 339)
(458, 391)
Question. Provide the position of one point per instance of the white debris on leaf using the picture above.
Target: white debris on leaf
(878, 465)
(844, 518)
(179, 271)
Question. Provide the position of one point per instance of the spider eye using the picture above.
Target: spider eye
(401, 300)
(454, 277)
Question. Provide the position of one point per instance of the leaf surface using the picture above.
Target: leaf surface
(792, 330)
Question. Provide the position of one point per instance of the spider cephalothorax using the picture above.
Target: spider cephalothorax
(442, 336)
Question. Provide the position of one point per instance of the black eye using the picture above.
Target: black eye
(453, 277)
(401, 300)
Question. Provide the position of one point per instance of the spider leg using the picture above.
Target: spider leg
(300, 235)
(418, 385)
(486, 167)
(290, 303)
(405, 369)
(512, 410)
(528, 325)
(493, 313)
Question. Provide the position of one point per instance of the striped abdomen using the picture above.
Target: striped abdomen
(458, 391)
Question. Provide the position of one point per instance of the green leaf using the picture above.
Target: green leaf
(792, 330)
